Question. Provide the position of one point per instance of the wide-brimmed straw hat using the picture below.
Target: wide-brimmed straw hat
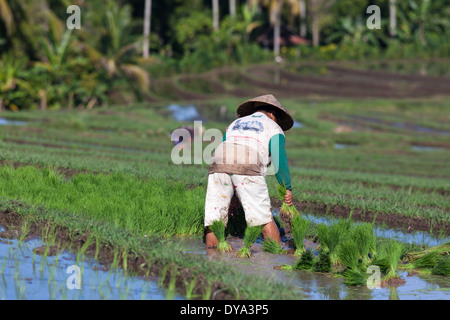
(284, 119)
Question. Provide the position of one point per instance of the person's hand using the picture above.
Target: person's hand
(288, 199)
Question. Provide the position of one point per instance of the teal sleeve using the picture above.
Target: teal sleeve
(277, 148)
(224, 136)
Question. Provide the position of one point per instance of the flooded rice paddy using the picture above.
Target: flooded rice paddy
(320, 286)
(27, 273)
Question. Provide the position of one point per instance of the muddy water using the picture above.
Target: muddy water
(317, 286)
(27, 275)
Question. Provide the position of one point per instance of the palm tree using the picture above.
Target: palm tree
(392, 18)
(233, 8)
(7, 16)
(215, 9)
(147, 27)
(317, 9)
(302, 11)
(113, 49)
(275, 17)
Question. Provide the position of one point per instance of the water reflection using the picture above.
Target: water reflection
(27, 275)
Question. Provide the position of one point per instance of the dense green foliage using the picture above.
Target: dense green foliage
(50, 66)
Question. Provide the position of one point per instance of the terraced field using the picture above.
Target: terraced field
(370, 144)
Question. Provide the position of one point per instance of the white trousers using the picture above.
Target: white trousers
(251, 191)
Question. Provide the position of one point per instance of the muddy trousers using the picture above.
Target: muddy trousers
(251, 191)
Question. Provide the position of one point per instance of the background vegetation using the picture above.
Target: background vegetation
(45, 65)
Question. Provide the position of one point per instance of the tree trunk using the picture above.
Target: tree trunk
(215, 7)
(147, 27)
(233, 8)
(43, 102)
(277, 29)
(392, 18)
(315, 30)
(302, 6)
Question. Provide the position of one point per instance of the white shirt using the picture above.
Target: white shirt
(254, 131)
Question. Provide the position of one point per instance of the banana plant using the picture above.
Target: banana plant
(113, 49)
(13, 85)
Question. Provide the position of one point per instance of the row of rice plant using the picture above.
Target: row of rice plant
(147, 206)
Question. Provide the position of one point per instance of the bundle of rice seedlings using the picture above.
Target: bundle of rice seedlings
(354, 277)
(299, 227)
(392, 251)
(442, 267)
(323, 264)
(330, 236)
(365, 240)
(348, 253)
(382, 263)
(272, 246)
(281, 192)
(306, 261)
(429, 260)
(441, 250)
(218, 227)
(251, 234)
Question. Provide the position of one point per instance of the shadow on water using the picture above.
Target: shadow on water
(24, 274)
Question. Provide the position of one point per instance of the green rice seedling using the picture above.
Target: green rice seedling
(218, 228)
(190, 286)
(442, 267)
(272, 246)
(125, 260)
(306, 261)
(171, 289)
(25, 229)
(281, 192)
(250, 236)
(299, 226)
(207, 291)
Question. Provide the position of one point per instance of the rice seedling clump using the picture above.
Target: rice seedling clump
(306, 261)
(323, 264)
(349, 254)
(250, 236)
(299, 227)
(442, 267)
(218, 228)
(272, 246)
(290, 210)
(389, 257)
